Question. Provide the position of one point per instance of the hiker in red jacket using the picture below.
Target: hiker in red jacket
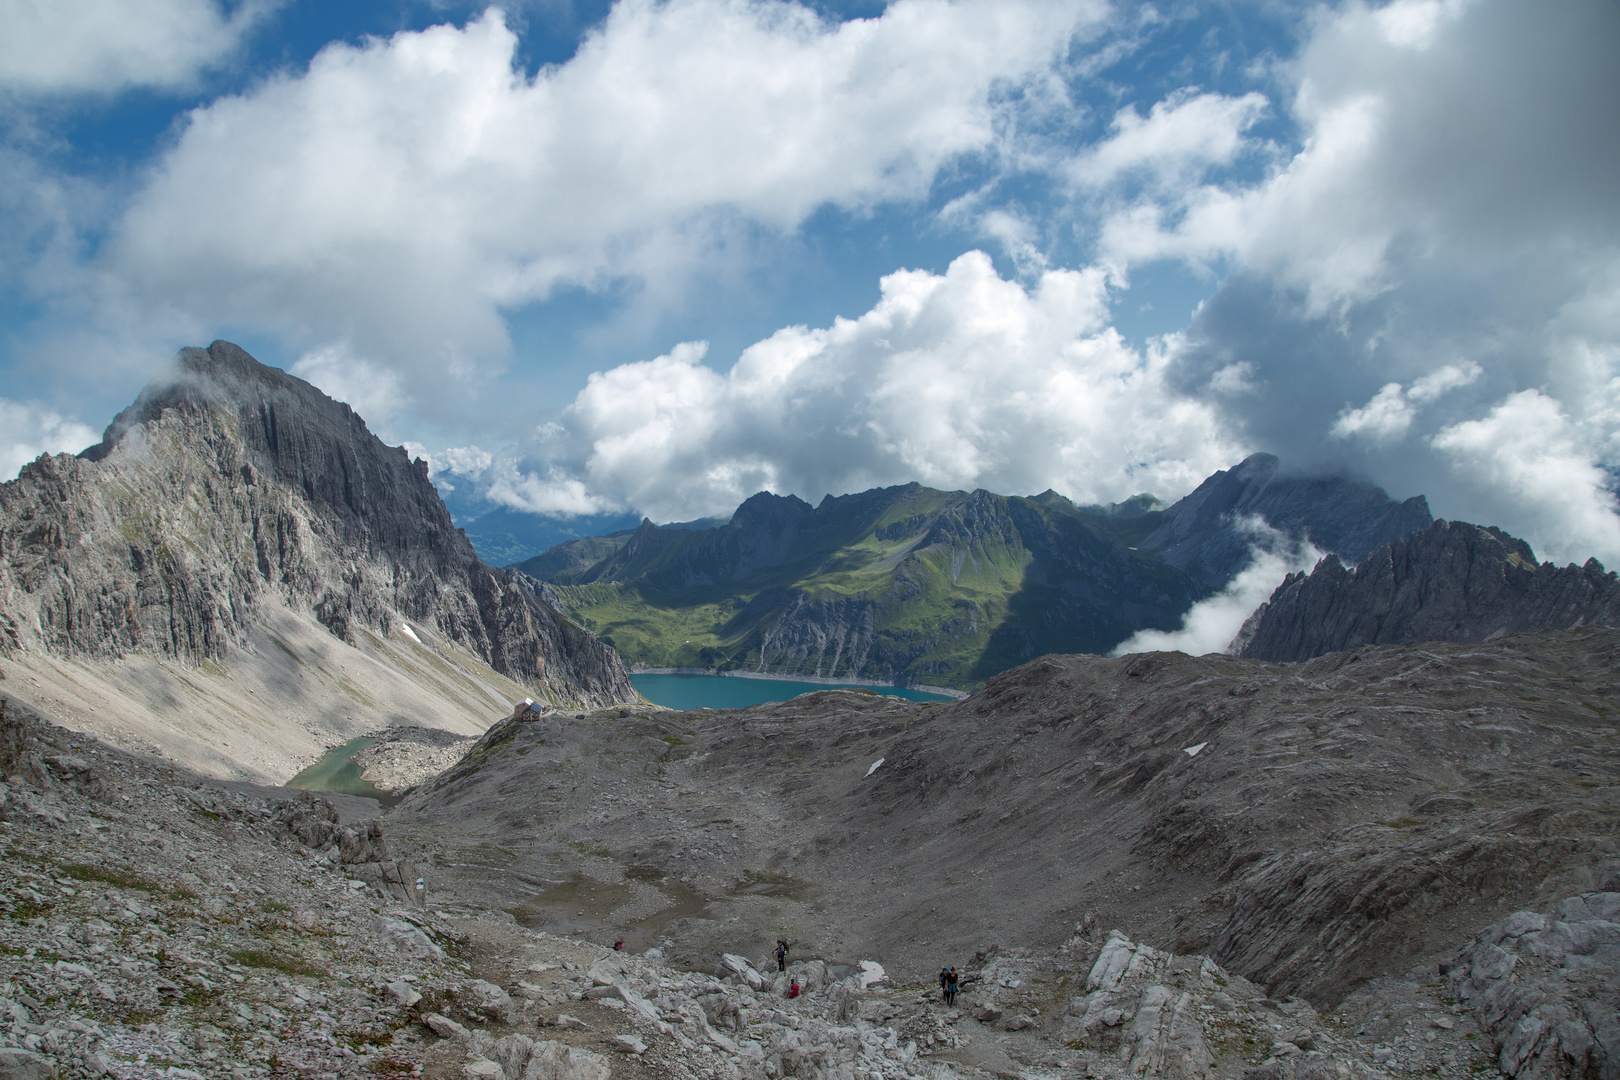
(793, 988)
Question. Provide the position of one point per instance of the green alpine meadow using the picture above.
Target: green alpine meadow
(916, 586)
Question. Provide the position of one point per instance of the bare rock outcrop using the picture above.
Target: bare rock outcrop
(232, 481)
(1546, 988)
(1451, 582)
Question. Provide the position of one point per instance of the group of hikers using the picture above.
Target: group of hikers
(782, 947)
(949, 982)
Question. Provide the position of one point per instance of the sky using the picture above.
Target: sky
(602, 260)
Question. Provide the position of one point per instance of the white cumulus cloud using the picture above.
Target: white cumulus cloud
(1180, 137)
(1389, 414)
(956, 380)
(403, 194)
(29, 429)
(370, 389)
(78, 46)
(1528, 452)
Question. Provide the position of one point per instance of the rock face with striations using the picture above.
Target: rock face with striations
(234, 483)
(1451, 582)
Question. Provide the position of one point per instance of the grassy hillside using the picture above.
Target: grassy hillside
(903, 583)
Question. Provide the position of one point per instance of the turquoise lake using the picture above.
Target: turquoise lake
(730, 692)
(336, 772)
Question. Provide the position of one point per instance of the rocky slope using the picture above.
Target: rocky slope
(912, 585)
(156, 927)
(227, 515)
(1450, 582)
(1310, 826)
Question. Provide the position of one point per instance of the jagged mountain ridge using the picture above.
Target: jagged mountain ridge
(909, 584)
(234, 494)
(1451, 582)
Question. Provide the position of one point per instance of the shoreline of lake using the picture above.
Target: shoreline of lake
(922, 688)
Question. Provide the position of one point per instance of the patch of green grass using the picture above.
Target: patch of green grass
(25, 909)
(287, 965)
(124, 879)
(1403, 823)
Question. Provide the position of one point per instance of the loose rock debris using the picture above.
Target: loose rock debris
(153, 928)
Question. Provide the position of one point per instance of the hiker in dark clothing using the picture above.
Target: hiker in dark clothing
(950, 986)
(944, 980)
(781, 954)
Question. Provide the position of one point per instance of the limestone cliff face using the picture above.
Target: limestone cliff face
(1451, 582)
(233, 481)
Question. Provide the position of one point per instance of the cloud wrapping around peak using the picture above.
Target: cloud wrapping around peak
(956, 380)
(1452, 197)
(103, 46)
(1213, 623)
(403, 194)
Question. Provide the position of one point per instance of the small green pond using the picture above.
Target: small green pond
(337, 771)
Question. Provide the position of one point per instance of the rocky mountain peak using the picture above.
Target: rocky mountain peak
(231, 492)
(1335, 513)
(1451, 582)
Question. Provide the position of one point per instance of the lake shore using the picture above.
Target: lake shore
(943, 691)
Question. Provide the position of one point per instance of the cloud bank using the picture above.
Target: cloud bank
(104, 46)
(1428, 291)
(401, 196)
(957, 380)
(1211, 624)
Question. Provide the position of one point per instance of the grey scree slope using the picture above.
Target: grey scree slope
(1341, 819)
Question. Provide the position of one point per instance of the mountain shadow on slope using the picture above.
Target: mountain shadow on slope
(1452, 582)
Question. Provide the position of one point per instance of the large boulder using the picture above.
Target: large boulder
(1546, 988)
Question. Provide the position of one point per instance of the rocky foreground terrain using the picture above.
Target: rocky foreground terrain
(152, 926)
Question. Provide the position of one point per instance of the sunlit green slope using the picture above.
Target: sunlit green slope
(903, 583)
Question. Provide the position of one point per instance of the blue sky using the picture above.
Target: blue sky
(603, 260)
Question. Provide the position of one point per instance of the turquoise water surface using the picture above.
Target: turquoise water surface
(730, 692)
(336, 772)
